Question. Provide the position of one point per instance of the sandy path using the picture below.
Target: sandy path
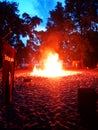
(43, 103)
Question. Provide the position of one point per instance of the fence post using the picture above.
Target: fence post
(87, 101)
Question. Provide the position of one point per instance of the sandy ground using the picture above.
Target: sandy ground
(48, 103)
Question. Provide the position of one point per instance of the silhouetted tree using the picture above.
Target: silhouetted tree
(93, 55)
(33, 42)
(8, 19)
(84, 13)
(72, 24)
(13, 27)
(61, 27)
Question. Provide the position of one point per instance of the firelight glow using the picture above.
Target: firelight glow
(52, 68)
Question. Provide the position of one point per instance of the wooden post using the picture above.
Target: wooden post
(87, 101)
(7, 73)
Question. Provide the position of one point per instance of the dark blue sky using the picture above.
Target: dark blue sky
(40, 8)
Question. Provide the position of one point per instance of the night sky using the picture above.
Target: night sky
(40, 8)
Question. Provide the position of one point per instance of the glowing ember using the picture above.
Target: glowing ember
(52, 67)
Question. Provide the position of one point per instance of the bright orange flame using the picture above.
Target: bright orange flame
(52, 67)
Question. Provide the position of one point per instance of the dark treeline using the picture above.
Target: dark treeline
(71, 30)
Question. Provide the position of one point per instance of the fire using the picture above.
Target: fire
(52, 67)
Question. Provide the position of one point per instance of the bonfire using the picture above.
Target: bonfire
(52, 67)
